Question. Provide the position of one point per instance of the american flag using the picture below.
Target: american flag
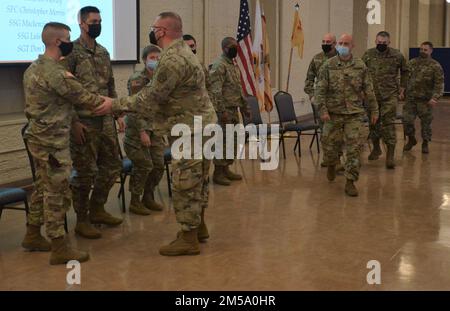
(245, 53)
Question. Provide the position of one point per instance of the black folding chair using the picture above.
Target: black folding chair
(289, 123)
(13, 196)
(33, 168)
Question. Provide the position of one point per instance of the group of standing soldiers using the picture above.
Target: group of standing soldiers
(348, 90)
(72, 133)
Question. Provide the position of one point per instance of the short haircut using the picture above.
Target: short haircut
(430, 44)
(178, 23)
(384, 34)
(149, 50)
(227, 41)
(84, 12)
(52, 30)
(188, 38)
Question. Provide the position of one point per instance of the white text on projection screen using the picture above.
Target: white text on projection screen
(22, 21)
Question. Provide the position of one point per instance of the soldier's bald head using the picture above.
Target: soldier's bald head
(54, 31)
(346, 40)
(172, 22)
(329, 38)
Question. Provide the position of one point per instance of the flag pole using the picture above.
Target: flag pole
(297, 7)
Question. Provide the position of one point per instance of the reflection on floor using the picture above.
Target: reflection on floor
(287, 229)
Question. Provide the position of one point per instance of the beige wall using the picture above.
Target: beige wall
(409, 21)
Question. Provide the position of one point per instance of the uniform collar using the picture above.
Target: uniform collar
(46, 58)
(349, 62)
(230, 61)
(331, 55)
(84, 45)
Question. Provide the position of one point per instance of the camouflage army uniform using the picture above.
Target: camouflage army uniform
(226, 94)
(49, 93)
(176, 95)
(384, 70)
(313, 71)
(339, 93)
(96, 162)
(425, 82)
(148, 163)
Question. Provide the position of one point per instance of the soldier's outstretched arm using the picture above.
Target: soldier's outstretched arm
(67, 86)
(167, 78)
(216, 80)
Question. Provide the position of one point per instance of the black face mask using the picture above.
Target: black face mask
(382, 47)
(66, 48)
(152, 38)
(232, 52)
(95, 30)
(327, 48)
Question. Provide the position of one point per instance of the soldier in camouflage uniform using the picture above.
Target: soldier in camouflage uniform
(343, 83)
(227, 96)
(176, 95)
(424, 89)
(385, 65)
(144, 148)
(329, 51)
(94, 145)
(50, 93)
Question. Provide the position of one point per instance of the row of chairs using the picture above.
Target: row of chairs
(288, 121)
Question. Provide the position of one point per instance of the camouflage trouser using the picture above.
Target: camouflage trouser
(96, 163)
(418, 108)
(51, 197)
(190, 191)
(385, 127)
(148, 165)
(350, 127)
(233, 115)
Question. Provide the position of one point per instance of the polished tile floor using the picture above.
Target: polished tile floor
(287, 229)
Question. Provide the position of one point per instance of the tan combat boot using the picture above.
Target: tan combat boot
(99, 216)
(390, 157)
(230, 175)
(137, 207)
(149, 202)
(219, 177)
(203, 233)
(186, 244)
(62, 253)
(411, 143)
(34, 241)
(376, 152)
(350, 189)
(331, 173)
(85, 229)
